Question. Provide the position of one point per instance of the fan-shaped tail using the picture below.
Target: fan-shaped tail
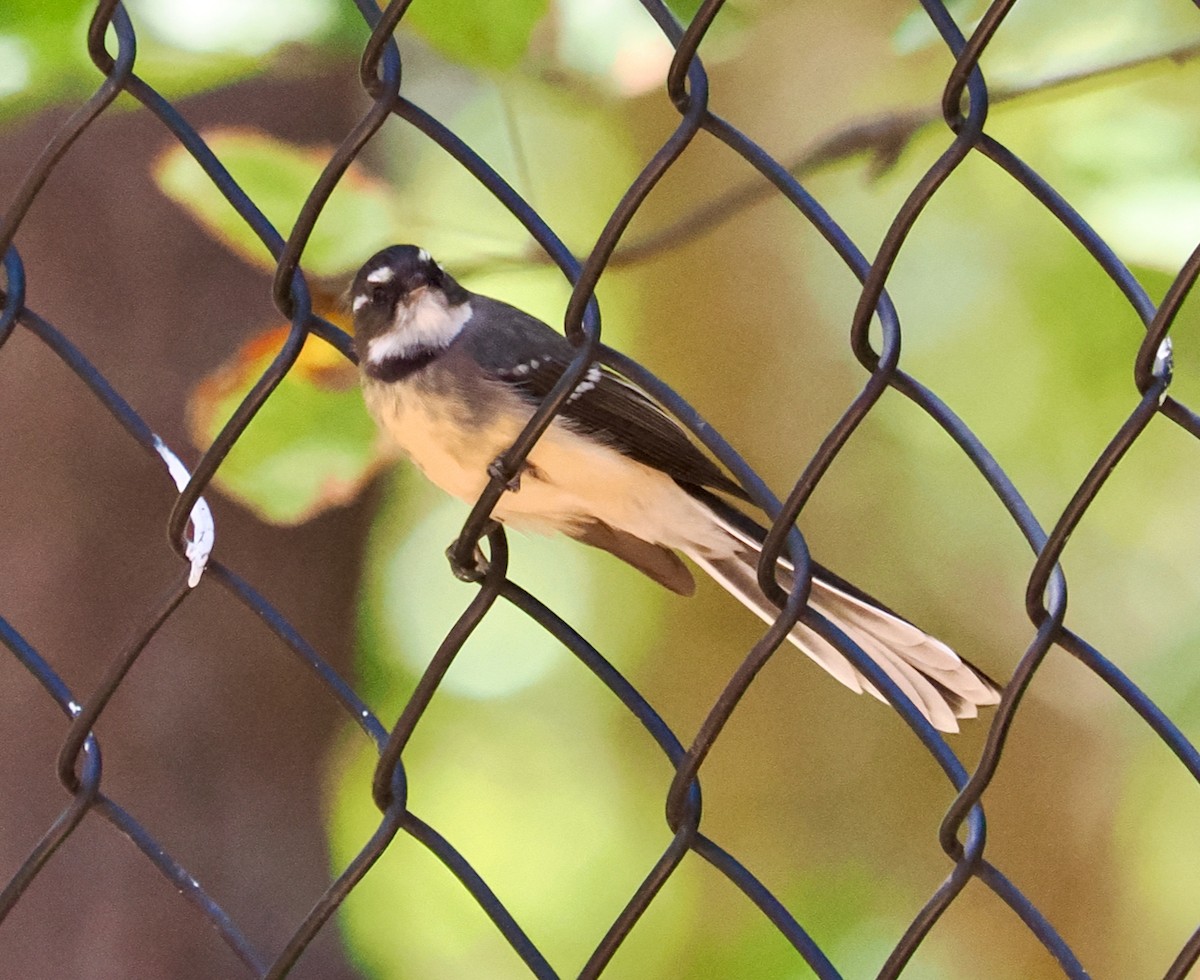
(942, 685)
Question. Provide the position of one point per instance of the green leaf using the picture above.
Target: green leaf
(277, 175)
(44, 58)
(44, 53)
(510, 124)
(621, 48)
(487, 34)
(312, 446)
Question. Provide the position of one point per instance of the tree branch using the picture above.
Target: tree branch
(884, 138)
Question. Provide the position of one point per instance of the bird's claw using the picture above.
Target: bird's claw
(479, 566)
(496, 471)
(474, 571)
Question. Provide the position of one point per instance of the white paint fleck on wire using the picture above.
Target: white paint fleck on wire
(1164, 358)
(203, 532)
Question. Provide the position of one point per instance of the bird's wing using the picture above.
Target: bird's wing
(527, 355)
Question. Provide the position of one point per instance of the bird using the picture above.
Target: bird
(451, 377)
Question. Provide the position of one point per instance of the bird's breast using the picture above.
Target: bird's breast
(453, 427)
(442, 429)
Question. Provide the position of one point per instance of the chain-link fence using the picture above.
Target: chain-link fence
(112, 45)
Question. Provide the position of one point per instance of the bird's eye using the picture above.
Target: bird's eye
(380, 296)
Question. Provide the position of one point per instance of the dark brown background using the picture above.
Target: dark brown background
(215, 741)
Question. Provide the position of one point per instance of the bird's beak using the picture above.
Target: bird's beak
(413, 296)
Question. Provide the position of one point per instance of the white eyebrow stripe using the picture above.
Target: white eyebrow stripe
(381, 275)
(359, 303)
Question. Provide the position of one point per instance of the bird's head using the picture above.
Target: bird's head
(404, 303)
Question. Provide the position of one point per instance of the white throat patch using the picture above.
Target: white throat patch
(429, 322)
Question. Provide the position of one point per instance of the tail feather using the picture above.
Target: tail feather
(942, 685)
(906, 674)
(927, 653)
(739, 580)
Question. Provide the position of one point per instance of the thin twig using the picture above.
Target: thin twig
(883, 137)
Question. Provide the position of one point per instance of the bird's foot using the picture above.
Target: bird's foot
(477, 567)
(473, 571)
(496, 471)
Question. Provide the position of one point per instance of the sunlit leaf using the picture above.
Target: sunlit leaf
(44, 59)
(224, 26)
(359, 218)
(618, 45)
(577, 144)
(489, 34)
(45, 54)
(311, 447)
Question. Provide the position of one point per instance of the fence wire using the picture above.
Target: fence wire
(963, 832)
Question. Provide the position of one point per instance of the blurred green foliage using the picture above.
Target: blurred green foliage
(361, 212)
(489, 34)
(45, 59)
(524, 762)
